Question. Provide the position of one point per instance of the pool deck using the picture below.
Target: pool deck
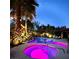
(17, 52)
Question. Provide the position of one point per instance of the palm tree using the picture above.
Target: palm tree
(23, 8)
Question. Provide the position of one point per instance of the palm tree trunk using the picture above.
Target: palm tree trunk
(18, 14)
(26, 26)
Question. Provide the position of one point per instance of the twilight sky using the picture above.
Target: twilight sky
(53, 12)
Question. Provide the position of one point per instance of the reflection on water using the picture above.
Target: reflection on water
(41, 40)
(49, 41)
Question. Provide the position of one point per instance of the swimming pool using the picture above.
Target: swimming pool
(40, 51)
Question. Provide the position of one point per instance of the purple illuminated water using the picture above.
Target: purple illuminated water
(39, 54)
(40, 51)
(43, 51)
(62, 44)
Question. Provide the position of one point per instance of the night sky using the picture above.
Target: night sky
(53, 12)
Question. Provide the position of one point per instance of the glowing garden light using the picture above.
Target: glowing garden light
(50, 36)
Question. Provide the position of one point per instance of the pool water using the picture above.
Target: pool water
(49, 41)
(41, 51)
(40, 40)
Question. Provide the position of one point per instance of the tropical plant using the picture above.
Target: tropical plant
(21, 8)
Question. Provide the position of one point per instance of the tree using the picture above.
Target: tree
(36, 25)
(22, 8)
